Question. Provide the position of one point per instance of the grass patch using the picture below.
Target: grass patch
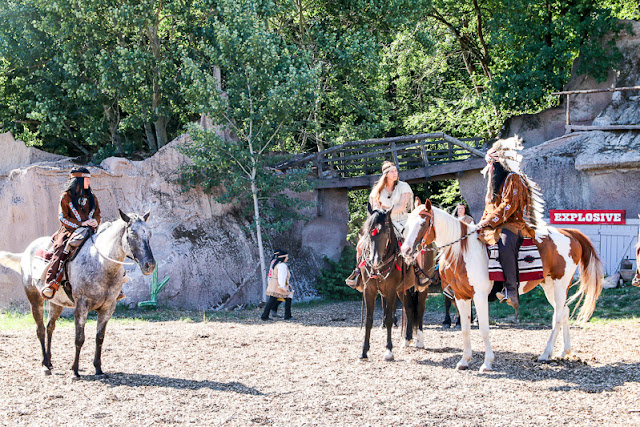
(614, 305)
(619, 304)
(15, 320)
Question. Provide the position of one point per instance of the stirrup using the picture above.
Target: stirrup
(121, 296)
(48, 292)
(352, 280)
(449, 293)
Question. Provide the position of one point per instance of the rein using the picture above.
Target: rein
(424, 248)
(106, 257)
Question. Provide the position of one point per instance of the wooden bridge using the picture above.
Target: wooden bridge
(430, 156)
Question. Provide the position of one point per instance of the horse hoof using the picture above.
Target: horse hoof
(406, 343)
(461, 367)
(76, 378)
(543, 358)
(485, 368)
(420, 344)
(446, 325)
(46, 371)
(388, 356)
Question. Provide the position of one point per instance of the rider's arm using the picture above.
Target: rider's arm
(512, 194)
(67, 214)
(96, 213)
(404, 205)
(375, 204)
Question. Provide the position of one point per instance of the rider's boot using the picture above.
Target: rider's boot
(448, 292)
(354, 280)
(510, 296)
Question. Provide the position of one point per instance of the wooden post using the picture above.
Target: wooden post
(395, 155)
(568, 114)
(319, 164)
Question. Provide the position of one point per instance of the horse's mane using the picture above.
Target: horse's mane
(375, 219)
(450, 229)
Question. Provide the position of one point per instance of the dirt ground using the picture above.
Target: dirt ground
(307, 372)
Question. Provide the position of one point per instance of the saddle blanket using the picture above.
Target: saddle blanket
(529, 263)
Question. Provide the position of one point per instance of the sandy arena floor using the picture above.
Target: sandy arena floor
(307, 372)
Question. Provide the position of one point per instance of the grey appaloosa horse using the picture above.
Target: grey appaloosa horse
(96, 275)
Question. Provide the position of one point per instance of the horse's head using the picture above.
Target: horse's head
(135, 241)
(418, 230)
(378, 236)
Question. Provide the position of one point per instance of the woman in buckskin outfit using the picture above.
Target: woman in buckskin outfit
(78, 208)
(389, 193)
(279, 287)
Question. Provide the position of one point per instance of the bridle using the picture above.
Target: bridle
(423, 245)
(383, 271)
(125, 237)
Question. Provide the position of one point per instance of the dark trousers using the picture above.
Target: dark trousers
(508, 247)
(59, 243)
(271, 302)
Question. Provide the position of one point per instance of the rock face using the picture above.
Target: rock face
(597, 109)
(206, 248)
(582, 170)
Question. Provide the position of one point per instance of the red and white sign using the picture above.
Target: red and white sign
(616, 217)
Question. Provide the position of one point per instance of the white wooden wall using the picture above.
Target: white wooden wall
(612, 242)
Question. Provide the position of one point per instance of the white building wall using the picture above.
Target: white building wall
(612, 242)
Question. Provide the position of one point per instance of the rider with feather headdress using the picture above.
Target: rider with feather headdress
(513, 210)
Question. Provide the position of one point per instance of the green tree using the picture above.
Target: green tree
(266, 86)
(90, 74)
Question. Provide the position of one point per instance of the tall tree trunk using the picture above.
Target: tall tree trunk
(161, 131)
(151, 138)
(256, 218)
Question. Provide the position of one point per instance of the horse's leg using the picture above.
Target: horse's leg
(54, 313)
(422, 299)
(464, 310)
(408, 306)
(37, 301)
(80, 318)
(447, 312)
(548, 286)
(369, 295)
(565, 318)
(104, 314)
(389, 311)
(482, 311)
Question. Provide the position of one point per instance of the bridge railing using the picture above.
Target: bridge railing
(365, 157)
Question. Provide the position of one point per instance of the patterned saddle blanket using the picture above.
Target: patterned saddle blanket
(529, 263)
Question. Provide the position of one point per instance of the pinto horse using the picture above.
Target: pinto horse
(384, 272)
(96, 274)
(465, 265)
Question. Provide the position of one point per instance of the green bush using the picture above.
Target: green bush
(330, 282)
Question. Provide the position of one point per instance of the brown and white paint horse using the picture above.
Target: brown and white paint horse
(465, 267)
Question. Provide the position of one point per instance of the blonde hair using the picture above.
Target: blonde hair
(377, 188)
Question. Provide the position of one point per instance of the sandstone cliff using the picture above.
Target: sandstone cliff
(205, 247)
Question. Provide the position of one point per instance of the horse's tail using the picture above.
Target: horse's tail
(11, 260)
(591, 276)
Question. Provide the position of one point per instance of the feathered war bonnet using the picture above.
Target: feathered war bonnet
(507, 153)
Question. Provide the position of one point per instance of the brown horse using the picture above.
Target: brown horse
(384, 272)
